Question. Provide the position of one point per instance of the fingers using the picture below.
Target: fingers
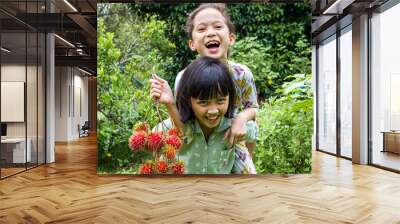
(227, 134)
(156, 85)
(155, 82)
(231, 140)
(155, 94)
(155, 89)
(156, 77)
(239, 138)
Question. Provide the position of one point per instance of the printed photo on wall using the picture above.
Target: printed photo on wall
(209, 88)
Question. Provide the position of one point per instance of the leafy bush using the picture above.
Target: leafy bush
(255, 55)
(286, 126)
(271, 66)
(126, 58)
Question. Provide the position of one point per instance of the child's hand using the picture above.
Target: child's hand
(237, 132)
(160, 90)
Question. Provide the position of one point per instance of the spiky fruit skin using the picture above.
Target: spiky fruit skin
(155, 141)
(141, 126)
(174, 141)
(137, 141)
(178, 168)
(170, 152)
(162, 167)
(175, 131)
(146, 169)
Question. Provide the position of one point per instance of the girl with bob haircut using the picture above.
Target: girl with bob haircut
(203, 111)
(204, 79)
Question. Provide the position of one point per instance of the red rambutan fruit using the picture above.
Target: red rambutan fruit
(155, 141)
(146, 169)
(162, 166)
(142, 126)
(170, 151)
(178, 167)
(174, 141)
(137, 141)
(175, 131)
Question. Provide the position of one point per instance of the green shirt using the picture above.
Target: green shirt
(212, 156)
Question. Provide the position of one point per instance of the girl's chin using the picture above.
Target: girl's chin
(213, 123)
(215, 56)
(210, 124)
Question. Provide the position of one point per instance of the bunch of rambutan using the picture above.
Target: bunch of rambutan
(164, 145)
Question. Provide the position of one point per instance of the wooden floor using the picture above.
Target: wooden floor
(10, 171)
(70, 191)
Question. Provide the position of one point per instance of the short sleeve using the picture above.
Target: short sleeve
(251, 131)
(249, 91)
(163, 126)
(245, 87)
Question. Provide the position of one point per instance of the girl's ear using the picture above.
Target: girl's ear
(191, 45)
(232, 38)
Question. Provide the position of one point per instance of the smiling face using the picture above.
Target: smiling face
(211, 36)
(209, 112)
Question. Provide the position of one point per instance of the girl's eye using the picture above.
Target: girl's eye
(218, 27)
(201, 29)
(202, 103)
(221, 101)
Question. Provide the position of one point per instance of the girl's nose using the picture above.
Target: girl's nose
(210, 33)
(213, 112)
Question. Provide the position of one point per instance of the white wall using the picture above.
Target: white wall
(62, 81)
(80, 104)
(34, 124)
(14, 72)
(71, 87)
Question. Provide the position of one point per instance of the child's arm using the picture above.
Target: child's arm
(161, 91)
(248, 99)
(237, 131)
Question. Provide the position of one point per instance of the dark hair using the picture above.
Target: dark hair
(205, 78)
(219, 7)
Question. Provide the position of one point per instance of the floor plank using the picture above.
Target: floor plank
(70, 191)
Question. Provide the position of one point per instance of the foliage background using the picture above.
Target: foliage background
(272, 40)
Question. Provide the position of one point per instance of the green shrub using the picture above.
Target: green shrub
(271, 65)
(286, 126)
(126, 58)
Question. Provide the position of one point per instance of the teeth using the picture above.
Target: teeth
(212, 42)
(212, 118)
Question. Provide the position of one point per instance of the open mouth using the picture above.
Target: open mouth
(213, 119)
(212, 46)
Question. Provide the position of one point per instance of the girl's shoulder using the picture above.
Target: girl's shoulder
(240, 70)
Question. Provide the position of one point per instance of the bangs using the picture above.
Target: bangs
(208, 92)
(210, 83)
